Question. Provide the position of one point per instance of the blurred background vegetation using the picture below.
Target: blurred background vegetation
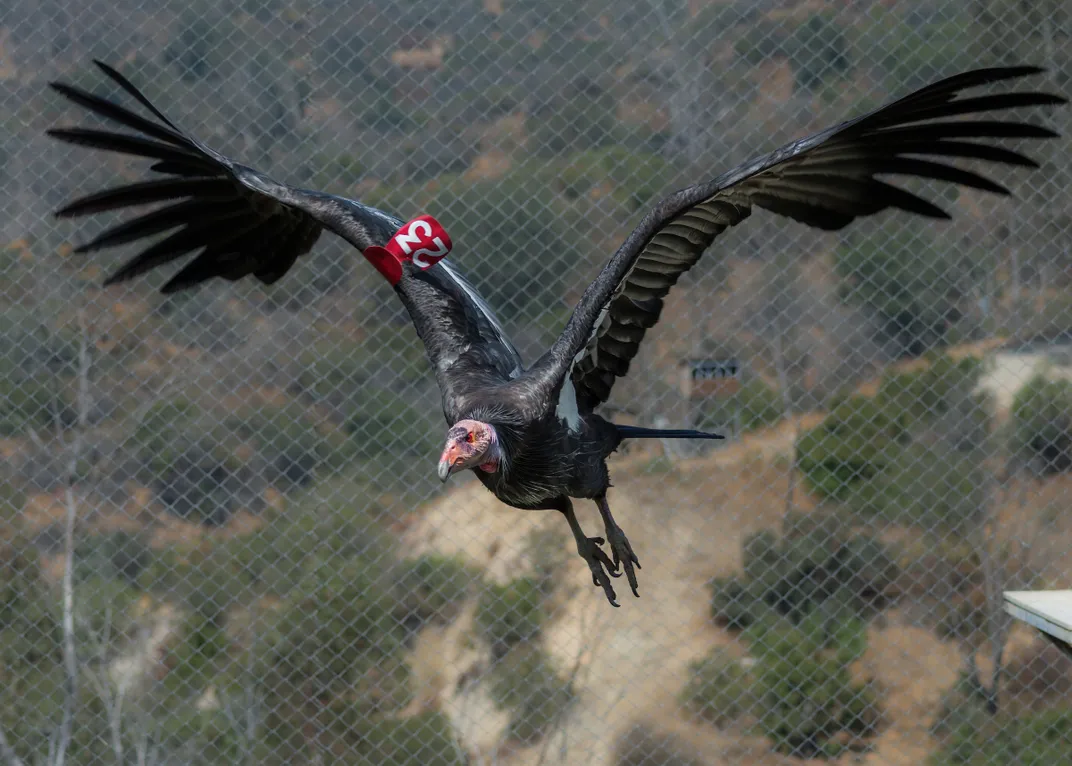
(250, 459)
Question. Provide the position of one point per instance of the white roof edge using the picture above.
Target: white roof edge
(1048, 610)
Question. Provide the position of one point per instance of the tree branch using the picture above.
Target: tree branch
(70, 660)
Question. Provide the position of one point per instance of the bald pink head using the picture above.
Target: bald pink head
(470, 444)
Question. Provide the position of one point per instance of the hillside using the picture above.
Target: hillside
(629, 665)
(264, 562)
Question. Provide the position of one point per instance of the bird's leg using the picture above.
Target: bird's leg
(588, 548)
(619, 545)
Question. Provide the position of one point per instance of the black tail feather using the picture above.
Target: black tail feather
(635, 432)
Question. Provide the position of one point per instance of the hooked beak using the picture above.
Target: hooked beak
(447, 461)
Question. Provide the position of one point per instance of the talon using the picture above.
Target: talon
(600, 566)
(602, 558)
(623, 554)
(598, 561)
(619, 546)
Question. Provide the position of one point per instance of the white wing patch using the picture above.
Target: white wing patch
(566, 409)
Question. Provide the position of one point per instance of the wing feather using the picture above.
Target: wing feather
(826, 181)
(235, 222)
(212, 200)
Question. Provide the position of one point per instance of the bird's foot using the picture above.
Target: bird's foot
(623, 555)
(601, 567)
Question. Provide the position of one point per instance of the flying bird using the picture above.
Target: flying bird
(531, 434)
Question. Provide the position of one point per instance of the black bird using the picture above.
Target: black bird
(531, 434)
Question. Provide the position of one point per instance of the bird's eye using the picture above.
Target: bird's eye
(470, 437)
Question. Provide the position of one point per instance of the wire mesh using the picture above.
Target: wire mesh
(236, 485)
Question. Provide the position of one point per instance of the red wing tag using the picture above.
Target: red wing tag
(422, 241)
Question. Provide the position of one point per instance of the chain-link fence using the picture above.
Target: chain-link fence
(236, 486)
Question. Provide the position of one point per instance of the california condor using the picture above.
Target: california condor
(531, 433)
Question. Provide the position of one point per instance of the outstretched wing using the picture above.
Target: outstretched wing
(239, 222)
(825, 180)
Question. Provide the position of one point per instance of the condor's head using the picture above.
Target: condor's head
(470, 444)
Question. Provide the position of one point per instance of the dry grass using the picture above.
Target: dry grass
(631, 661)
(687, 521)
(914, 669)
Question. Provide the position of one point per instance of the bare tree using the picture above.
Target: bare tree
(1003, 561)
(776, 314)
(687, 76)
(112, 696)
(74, 454)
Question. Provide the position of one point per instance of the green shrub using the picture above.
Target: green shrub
(755, 403)
(193, 660)
(815, 48)
(915, 45)
(201, 736)
(286, 440)
(337, 641)
(335, 373)
(12, 498)
(929, 485)
(112, 555)
(333, 653)
(326, 269)
(191, 472)
(431, 588)
(336, 521)
(36, 365)
(208, 586)
(35, 403)
(913, 453)
(804, 691)
(907, 280)
(1042, 424)
(500, 220)
(210, 583)
(639, 177)
(798, 573)
(960, 619)
(973, 737)
(28, 345)
(818, 49)
(1052, 323)
(31, 640)
(196, 479)
(759, 43)
(374, 393)
(737, 603)
(388, 423)
(488, 54)
(526, 683)
(510, 614)
(573, 123)
(202, 318)
(163, 421)
(852, 444)
(20, 580)
(939, 388)
(718, 690)
(425, 738)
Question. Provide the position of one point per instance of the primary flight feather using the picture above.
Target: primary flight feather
(531, 434)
